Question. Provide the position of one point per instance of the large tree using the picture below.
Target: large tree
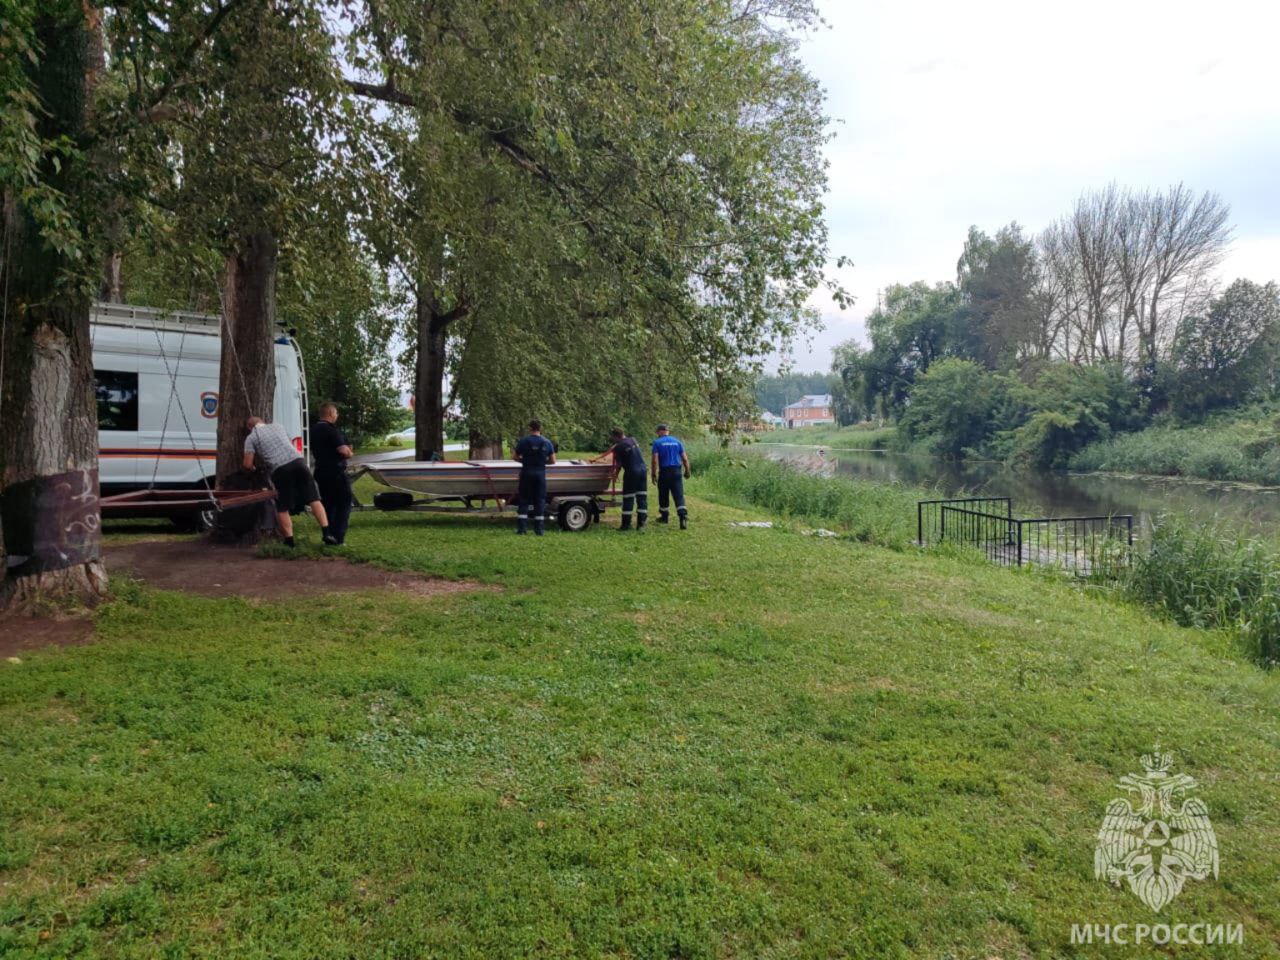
(1229, 354)
(48, 430)
(75, 128)
(651, 192)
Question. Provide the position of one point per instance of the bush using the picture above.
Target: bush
(951, 407)
(1069, 407)
(1203, 578)
(1244, 448)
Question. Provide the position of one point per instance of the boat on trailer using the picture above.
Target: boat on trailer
(577, 490)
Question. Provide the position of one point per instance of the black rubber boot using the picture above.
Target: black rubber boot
(626, 522)
(521, 524)
(663, 517)
(538, 526)
(684, 522)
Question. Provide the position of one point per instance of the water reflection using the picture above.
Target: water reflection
(1057, 493)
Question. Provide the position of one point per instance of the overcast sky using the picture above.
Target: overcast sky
(949, 114)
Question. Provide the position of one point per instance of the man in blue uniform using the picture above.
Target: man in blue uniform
(534, 453)
(628, 459)
(670, 465)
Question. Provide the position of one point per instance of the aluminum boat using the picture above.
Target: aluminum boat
(486, 479)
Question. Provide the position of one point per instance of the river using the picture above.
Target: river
(1059, 493)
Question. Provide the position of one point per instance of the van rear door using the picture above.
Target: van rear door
(289, 408)
(178, 428)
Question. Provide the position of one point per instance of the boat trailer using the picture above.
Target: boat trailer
(574, 512)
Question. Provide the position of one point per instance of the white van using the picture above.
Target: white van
(156, 380)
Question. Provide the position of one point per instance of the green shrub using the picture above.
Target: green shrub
(1244, 447)
(1202, 577)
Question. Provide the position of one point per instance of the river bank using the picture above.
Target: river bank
(1241, 446)
(1200, 571)
(1243, 508)
(731, 741)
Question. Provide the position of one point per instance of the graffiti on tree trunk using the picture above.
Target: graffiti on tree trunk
(52, 522)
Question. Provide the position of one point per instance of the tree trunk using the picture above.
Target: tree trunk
(50, 524)
(247, 381)
(484, 448)
(428, 414)
(112, 290)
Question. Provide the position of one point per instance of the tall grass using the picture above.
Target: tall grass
(880, 513)
(859, 436)
(1242, 449)
(1203, 578)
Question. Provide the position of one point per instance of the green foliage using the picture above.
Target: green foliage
(45, 117)
(847, 390)
(1239, 445)
(910, 329)
(600, 256)
(998, 318)
(864, 510)
(1230, 355)
(774, 391)
(1205, 577)
(858, 436)
(1066, 408)
(951, 408)
(339, 304)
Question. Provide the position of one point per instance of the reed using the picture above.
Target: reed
(1243, 450)
(1201, 576)
(873, 512)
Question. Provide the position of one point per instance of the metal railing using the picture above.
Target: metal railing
(929, 514)
(1085, 546)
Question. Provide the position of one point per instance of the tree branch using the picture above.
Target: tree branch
(188, 56)
(388, 92)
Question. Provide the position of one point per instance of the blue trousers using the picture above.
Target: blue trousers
(533, 501)
(670, 486)
(635, 496)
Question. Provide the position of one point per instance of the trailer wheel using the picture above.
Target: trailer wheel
(393, 500)
(575, 516)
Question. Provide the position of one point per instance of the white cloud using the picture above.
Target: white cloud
(953, 114)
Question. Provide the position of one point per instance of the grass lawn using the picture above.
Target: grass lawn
(726, 743)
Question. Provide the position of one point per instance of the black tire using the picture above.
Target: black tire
(393, 500)
(575, 516)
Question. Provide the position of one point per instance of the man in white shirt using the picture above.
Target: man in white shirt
(289, 475)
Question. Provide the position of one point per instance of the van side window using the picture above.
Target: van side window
(117, 395)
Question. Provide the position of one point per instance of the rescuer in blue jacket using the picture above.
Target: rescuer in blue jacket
(628, 459)
(534, 453)
(670, 465)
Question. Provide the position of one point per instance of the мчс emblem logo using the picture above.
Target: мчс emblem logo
(1157, 847)
(209, 404)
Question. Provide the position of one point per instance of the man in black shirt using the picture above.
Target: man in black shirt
(534, 453)
(628, 459)
(331, 451)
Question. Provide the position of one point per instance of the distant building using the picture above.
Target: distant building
(771, 421)
(809, 411)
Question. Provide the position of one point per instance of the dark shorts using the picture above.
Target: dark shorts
(295, 487)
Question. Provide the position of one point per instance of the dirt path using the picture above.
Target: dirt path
(195, 566)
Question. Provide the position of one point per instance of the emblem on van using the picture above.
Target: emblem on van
(209, 404)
